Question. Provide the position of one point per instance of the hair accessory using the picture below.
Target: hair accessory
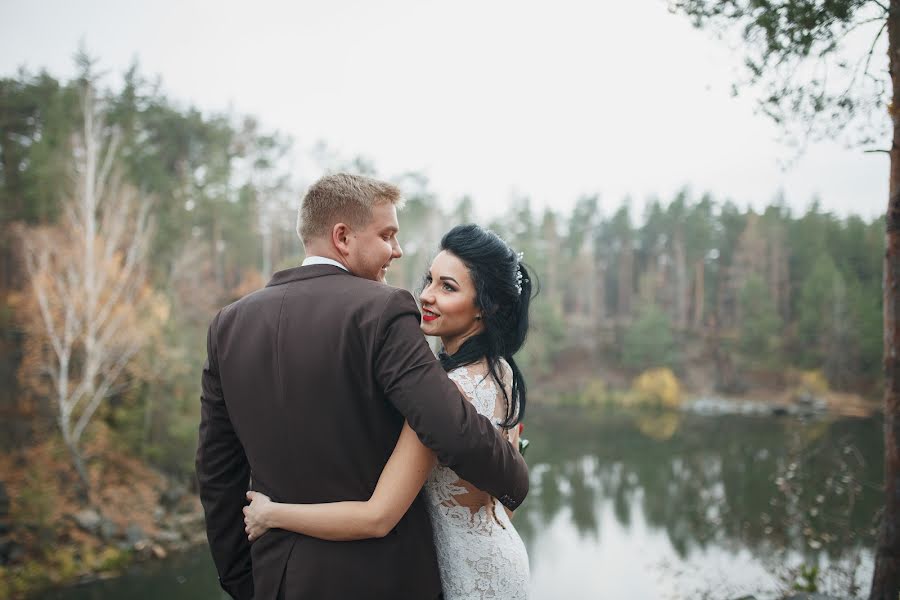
(519, 280)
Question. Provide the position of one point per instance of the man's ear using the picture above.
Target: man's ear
(340, 238)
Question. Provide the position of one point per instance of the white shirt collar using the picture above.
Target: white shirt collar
(321, 260)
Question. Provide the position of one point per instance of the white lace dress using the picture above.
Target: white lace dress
(479, 552)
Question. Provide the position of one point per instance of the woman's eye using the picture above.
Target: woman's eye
(448, 287)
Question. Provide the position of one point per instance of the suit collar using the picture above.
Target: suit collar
(307, 272)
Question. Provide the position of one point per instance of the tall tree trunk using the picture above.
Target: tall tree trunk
(886, 579)
(681, 282)
(65, 426)
(83, 488)
(699, 293)
(218, 254)
(600, 289)
(552, 269)
(626, 276)
(264, 211)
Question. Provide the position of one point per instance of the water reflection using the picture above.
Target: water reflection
(187, 576)
(656, 506)
(749, 493)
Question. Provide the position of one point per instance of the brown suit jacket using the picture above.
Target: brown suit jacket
(305, 389)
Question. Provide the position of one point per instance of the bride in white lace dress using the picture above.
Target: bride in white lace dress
(480, 554)
(475, 298)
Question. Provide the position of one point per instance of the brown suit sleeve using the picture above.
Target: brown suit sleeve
(223, 474)
(414, 382)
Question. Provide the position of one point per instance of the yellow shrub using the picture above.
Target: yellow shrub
(656, 387)
(813, 382)
(659, 426)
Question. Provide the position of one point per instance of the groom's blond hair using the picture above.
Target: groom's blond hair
(342, 198)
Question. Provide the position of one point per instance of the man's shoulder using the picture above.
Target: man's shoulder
(367, 291)
(352, 293)
(261, 300)
(394, 299)
(390, 293)
(247, 300)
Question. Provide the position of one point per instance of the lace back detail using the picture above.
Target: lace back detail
(479, 552)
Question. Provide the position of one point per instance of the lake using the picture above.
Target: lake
(659, 505)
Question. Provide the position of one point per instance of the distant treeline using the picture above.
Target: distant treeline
(685, 281)
(695, 282)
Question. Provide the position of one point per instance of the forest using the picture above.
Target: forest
(194, 210)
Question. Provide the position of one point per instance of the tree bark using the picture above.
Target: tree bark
(84, 482)
(699, 294)
(886, 579)
(682, 288)
(626, 277)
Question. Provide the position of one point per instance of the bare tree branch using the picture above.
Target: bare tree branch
(109, 376)
(872, 49)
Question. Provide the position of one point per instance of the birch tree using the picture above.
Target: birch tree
(88, 284)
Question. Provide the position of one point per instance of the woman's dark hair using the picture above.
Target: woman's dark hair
(502, 293)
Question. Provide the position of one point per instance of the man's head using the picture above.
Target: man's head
(353, 220)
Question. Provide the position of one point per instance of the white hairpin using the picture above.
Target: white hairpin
(519, 277)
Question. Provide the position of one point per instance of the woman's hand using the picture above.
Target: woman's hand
(256, 515)
(514, 434)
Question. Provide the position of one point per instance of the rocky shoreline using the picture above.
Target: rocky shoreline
(803, 406)
(96, 546)
(89, 545)
(177, 531)
(50, 537)
(714, 405)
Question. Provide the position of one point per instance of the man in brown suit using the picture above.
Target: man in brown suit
(305, 390)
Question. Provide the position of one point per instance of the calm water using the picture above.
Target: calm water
(658, 506)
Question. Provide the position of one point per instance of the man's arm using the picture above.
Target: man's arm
(414, 382)
(399, 484)
(223, 474)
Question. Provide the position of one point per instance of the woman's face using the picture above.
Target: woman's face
(448, 302)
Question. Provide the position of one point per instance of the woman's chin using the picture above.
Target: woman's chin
(429, 329)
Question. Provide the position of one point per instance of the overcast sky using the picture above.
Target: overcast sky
(494, 99)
